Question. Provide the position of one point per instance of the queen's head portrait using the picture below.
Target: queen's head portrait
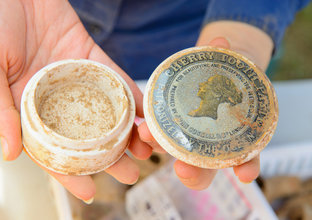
(216, 90)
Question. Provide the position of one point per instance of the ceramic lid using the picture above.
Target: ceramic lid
(210, 107)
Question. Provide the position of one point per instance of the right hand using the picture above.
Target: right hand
(250, 42)
(34, 33)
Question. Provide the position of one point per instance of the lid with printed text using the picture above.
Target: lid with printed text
(210, 107)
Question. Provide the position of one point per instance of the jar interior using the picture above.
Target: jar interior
(80, 101)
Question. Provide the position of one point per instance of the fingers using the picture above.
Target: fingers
(146, 136)
(124, 170)
(194, 177)
(83, 187)
(138, 148)
(97, 54)
(248, 171)
(10, 127)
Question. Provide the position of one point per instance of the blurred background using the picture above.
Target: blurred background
(294, 57)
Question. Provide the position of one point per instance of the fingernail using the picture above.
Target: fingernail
(225, 38)
(217, 43)
(160, 150)
(138, 120)
(246, 182)
(228, 40)
(89, 202)
(5, 148)
(148, 142)
(235, 173)
(135, 180)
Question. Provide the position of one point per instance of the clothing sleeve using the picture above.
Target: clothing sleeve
(273, 17)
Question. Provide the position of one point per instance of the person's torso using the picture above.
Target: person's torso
(140, 34)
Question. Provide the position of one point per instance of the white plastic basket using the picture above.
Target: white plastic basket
(163, 196)
(291, 159)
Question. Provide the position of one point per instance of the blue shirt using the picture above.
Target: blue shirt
(139, 34)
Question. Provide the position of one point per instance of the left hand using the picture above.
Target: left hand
(32, 35)
(255, 45)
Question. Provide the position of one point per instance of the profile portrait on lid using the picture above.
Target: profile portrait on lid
(216, 90)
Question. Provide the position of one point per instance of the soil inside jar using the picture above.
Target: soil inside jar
(77, 111)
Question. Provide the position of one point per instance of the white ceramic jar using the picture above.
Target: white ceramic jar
(77, 117)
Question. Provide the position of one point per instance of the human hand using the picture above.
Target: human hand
(32, 35)
(255, 45)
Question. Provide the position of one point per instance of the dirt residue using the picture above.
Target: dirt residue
(77, 111)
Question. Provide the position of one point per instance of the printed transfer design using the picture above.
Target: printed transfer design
(216, 90)
(212, 103)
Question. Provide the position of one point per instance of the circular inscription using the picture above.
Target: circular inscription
(203, 98)
(211, 103)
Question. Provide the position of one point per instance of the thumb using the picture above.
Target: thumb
(220, 42)
(10, 127)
